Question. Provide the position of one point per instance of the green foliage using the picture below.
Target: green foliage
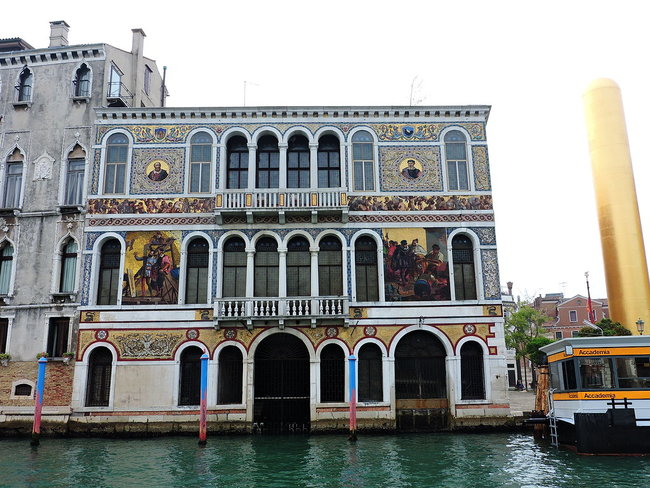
(522, 327)
(532, 349)
(5, 357)
(609, 327)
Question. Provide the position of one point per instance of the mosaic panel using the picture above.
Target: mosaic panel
(147, 345)
(85, 279)
(481, 168)
(410, 168)
(160, 133)
(423, 132)
(157, 171)
(486, 235)
(150, 205)
(399, 203)
(94, 184)
(491, 287)
(151, 221)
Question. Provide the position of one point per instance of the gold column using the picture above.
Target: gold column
(626, 269)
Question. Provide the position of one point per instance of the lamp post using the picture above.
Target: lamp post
(640, 325)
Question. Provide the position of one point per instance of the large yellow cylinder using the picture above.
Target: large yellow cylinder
(626, 269)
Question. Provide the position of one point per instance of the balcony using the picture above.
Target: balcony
(118, 95)
(311, 309)
(251, 205)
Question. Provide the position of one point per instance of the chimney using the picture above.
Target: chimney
(509, 283)
(138, 41)
(59, 33)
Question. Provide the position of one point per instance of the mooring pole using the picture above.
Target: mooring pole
(203, 419)
(353, 397)
(38, 407)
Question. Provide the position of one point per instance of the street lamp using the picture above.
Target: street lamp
(640, 326)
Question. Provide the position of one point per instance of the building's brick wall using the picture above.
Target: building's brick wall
(58, 383)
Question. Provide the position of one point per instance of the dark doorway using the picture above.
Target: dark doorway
(420, 367)
(190, 387)
(281, 385)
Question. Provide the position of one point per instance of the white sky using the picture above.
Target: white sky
(531, 63)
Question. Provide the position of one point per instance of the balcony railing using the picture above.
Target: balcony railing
(274, 198)
(118, 93)
(281, 308)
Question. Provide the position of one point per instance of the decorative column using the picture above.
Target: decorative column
(282, 146)
(252, 166)
(313, 165)
(250, 273)
(315, 291)
(282, 272)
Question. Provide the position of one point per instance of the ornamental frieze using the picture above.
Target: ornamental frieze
(395, 203)
(481, 168)
(150, 205)
(423, 132)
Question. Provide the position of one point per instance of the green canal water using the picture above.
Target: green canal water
(427, 460)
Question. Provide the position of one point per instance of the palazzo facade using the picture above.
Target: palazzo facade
(285, 243)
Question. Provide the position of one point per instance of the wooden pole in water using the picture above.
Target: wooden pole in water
(353, 397)
(38, 407)
(203, 417)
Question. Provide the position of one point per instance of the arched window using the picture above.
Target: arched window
(266, 267)
(25, 84)
(13, 180)
(82, 81)
(237, 149)
(234, 268)
(6, 265)
(365, 267)
(332, 374)
(370, 374)
(117, 151)
(363, 161)
(68, 266)
(464, 278)
(456, 153)
(298, 267)
(230, 376)
(98, 385)
(330, 267)
(109, 272)
(298, 162)
(471, 372)
(200, 162)
(268, 162)
(420, 367)
(190, 376)
(196, 277)
(74, 180)
(329, 162)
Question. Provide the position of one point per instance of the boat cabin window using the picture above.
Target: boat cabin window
(633, 372)
(595, 373)
(554, 370)
(569, 381)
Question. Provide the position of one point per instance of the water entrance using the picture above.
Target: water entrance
(281, 385)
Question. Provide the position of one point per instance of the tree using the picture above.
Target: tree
(532, 350)
(521, 328)
(608, 327)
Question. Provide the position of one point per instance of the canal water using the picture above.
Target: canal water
(424, 460)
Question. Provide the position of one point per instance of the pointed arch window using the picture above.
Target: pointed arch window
(196, 277)
(109, 272)
(266, 267)
(74, 180)
(25, 84)
(298, 162)
(332, 374)
(330, 267)
(370, 374)
(365, 267)
(98, 384)
(471, 372)
(6, 266)
(200, 162)
(363, 161)
(117, 151)
(229, 389)
(268, 163)
(237, 150)
(456, 154)
(329, 162)
(298, 267)
(464, 276)
(68, 266)
(82, 81)
(234, 268)
(190, 376)
(13, 180)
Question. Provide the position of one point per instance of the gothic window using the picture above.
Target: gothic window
(464, 277)
(330, 267)
(363, 161)
(6, 265)
(329, 162)
(82, 81)
(266, 267)
(365, 267)
(57, 336)
(229, 389)
(117, 150)
(420, 367)
(68, 266)
(25, 84)
(471, 372)
(147, 79)
(13, 180)
(268, 162)
(332, 374)
(298, 162)
(109, 272)
(234, 268)
(74, 180)
(190, 376)
(196, 277)
(298, 267)
(200, 162)
(370, 374)
(237, 149)
(456, 154)
(98, 385)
